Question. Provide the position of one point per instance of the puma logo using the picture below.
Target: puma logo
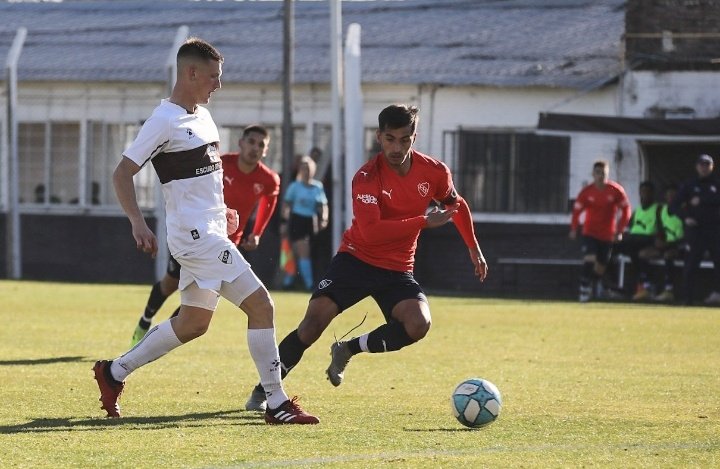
(387, 193)
(364, 173)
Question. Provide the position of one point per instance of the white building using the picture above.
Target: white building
(481, 72)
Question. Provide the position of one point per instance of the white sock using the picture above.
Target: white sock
(159, 340)
(264, 352)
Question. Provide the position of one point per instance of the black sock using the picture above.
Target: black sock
(144, 324)
(388, 338)
(588, 273)
(354, 345)
(155, 301)
(669, 265)
(291, 351)
(642, 267)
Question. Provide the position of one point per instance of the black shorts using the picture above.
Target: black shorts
(632, 244)
(674, 249)
(349, 280)
(300, 227)
(601, 249)
(173, 268)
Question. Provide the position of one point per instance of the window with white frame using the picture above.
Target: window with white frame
(54, 172)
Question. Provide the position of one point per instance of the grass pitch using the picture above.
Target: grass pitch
(604, 385)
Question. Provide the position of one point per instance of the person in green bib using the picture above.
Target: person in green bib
(640, 238)
(670, 243)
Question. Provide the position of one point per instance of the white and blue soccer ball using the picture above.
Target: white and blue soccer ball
(476, 402)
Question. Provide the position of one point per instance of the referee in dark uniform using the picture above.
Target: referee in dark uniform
(698, 205)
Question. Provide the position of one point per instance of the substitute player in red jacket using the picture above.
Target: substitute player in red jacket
(391, 194)
(247, 183)
(600, 201)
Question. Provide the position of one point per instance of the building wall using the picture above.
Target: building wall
(672, 34)
(671, 94)
(442, 109)
(518, 109)
(442, 262)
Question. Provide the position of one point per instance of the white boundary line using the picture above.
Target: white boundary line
(475, 452)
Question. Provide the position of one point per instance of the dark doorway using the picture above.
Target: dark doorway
(674, 163)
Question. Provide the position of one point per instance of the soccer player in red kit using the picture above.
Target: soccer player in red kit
(600, 201)
(247, 183)
(391, 194)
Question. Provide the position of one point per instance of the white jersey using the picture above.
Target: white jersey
(183, 148)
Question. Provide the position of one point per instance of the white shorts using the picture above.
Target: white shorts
(209, 265)
(235, 292)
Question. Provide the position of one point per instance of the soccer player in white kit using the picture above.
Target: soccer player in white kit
(181, 140)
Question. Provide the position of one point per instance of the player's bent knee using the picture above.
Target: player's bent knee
(196, 330)
(168, 285)
(191, 323)
(417, 330)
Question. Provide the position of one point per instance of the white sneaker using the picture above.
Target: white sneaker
(585, 294)
(713, 299)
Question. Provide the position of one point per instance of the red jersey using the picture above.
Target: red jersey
(243, 191)
(389, 210)
(601, 207)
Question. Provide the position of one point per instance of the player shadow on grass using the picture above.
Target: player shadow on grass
(440, 429)
(46, 425)
(42, 361)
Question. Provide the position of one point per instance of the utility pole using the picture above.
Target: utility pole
(14, 251)
(288, 146)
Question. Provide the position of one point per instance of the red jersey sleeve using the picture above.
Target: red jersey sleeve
(366, 192)
(266, 205)
(578, 208)
(464, 224)
(463, 218)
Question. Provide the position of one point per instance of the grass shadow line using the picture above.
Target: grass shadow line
(42, 361)
(46, 425)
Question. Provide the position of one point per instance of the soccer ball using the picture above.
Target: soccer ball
(476, 402)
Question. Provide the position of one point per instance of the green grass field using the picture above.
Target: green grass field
(602, 385)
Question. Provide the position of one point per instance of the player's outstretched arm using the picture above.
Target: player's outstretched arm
(125, 189)
(478, 260)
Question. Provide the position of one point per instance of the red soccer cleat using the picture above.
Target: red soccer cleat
(289, 412)
(110, 389)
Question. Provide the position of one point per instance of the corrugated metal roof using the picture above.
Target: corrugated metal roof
(553, 43)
